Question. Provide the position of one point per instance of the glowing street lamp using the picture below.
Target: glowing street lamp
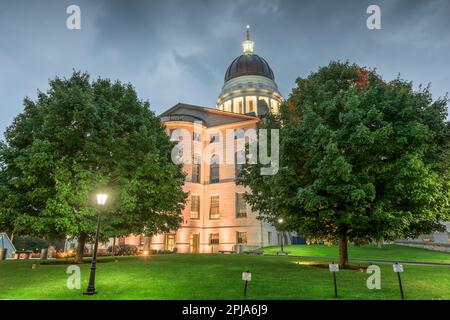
(280, 222)
(101, 200)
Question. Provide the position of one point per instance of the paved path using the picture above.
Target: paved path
(425, 263)
(428, 263)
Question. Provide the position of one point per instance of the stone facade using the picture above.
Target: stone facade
(234, 228)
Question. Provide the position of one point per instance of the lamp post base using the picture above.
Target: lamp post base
(87, 293)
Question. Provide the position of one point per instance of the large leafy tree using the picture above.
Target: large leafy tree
(361, 159)
(83, 137)
(7, 216)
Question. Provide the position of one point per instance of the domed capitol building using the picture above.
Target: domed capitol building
(216, 217)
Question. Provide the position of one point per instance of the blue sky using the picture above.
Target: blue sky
(178, 50)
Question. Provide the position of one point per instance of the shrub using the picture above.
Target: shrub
(124, 250)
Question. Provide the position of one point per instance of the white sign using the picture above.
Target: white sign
(334, 267)
(398, 267)
(246, 276)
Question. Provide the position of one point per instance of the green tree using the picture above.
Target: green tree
(361, 159)
(81, 137)
(7, 213)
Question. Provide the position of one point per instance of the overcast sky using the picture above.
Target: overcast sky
(178, 51)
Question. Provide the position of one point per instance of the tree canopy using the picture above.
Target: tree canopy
(79, 138)
(361, 159)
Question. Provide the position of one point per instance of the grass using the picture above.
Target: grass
(387, 252)
(186, 276)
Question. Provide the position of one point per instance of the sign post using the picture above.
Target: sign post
(398, 268)
(246, 276)
(334, 267)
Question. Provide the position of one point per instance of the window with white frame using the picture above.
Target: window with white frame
(196, 168)
(214, 208)
(195, 207)
(214, 238)
(241, 237)
(214, 169)
(241, 206)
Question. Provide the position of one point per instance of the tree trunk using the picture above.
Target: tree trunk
(44, 254)
(379, 243)
(11, 237)
(148, 244)
(113, 249)
(343, 252)
(80, 248)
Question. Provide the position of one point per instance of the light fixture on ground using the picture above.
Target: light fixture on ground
(101, 201)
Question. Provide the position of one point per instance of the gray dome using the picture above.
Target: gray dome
(249, 64)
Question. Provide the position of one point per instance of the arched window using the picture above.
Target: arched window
(214, 169)
(239, 134)
(196, 168)
(239, 161)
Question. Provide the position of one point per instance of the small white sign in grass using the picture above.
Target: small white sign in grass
(246, 276)
(334, 267)
(397, 267)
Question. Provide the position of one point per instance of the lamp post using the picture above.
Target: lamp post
(280, 222)
(101, 200)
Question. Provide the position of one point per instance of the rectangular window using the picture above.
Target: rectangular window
(269, 238)
(239, 160)
(169, 242)
(213, 238)
(214, 170)
(241, 237)
(214, 208)
(195, 206)
(241, 206)
(196, 168)
(196, 172)
(240, 107)
(251, 106)
(214, 174)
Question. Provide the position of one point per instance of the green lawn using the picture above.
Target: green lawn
(184, 276)
(387, 252)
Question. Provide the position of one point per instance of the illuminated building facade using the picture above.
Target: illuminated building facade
(216, 217)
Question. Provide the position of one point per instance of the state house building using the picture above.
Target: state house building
(216, 217)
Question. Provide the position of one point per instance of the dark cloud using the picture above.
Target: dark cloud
(178, 50)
